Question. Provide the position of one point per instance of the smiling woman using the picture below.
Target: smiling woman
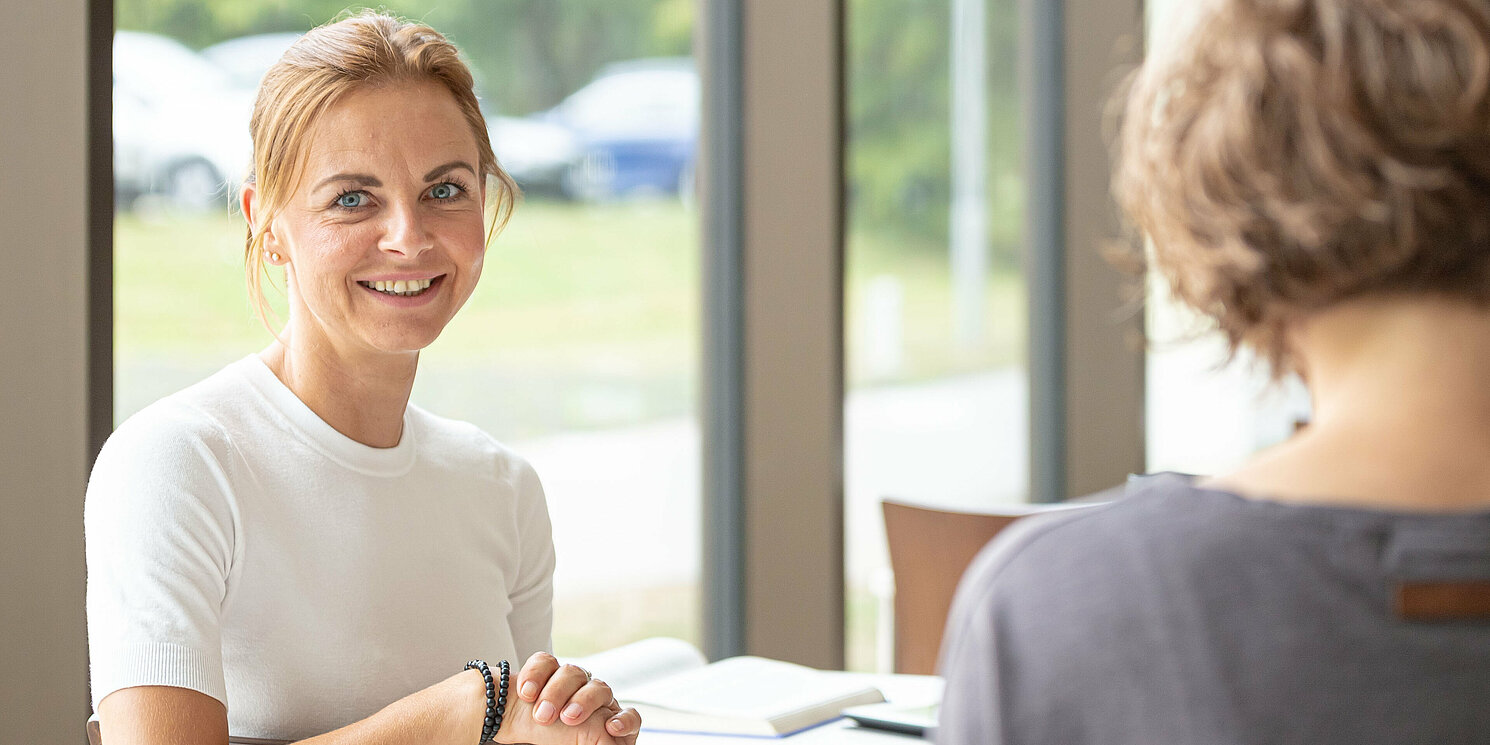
(290, 549)
(394, 198)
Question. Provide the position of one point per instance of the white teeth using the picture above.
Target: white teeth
(404, 287)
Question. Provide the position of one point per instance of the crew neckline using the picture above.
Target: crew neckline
(1264, 502)
(316, 433)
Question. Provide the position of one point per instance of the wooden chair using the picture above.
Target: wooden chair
(929, 551)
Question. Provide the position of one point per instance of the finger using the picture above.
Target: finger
(593, 696)
(627, 723)
(535, 673)
(568, 681)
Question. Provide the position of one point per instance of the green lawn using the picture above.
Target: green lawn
(586, 315)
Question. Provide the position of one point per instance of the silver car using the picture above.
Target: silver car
(180, 125)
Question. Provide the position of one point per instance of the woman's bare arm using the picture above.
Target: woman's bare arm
(450, 711)
(447, 713)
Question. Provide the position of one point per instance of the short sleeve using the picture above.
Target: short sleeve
(532, 595)
(159, 531)
(970, 658)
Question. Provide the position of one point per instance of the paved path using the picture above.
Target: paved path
(628, 499)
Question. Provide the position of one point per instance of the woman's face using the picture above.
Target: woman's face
(383, 238)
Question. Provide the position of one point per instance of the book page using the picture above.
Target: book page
(748, 688)
(629, 666)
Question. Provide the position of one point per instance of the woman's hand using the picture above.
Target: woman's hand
(549, 693)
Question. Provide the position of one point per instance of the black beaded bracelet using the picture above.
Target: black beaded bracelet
(496, 698)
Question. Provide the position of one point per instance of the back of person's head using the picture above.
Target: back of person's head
(364, 50)
(1291, 154)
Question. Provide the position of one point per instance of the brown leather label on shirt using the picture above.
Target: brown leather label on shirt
(1444, 601)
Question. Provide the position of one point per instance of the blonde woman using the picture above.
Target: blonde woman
(1315, 177)
(290, 549)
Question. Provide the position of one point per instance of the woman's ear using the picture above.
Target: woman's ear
(248, 200)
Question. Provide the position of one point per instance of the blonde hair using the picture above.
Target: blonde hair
(1295, 153)
(367, 49)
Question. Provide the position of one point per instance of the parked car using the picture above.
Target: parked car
(636, 125)
(247, 58)
(536, 153)
(180, 124)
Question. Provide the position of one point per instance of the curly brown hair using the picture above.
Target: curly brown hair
(1291, 154)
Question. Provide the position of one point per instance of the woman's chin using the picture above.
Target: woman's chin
(405, 341)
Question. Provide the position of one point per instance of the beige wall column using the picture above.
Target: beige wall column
(793, 330)
(44, 311)
(1086, 356)
(1104, 322)
(1105, 359)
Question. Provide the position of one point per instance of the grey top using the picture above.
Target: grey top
(1180, 614)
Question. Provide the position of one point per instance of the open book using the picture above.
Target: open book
(674, 689)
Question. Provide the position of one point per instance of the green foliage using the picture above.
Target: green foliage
(529, 54)
(899, 112)
(526, 54)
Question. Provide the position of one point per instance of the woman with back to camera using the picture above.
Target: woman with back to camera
(1315, 177)
(289, 549)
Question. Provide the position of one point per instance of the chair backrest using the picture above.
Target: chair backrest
(929, 551)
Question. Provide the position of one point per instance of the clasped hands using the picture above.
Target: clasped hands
(554, 704)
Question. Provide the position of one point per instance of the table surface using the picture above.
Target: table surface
(914, 690)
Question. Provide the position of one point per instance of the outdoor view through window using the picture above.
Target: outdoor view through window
(1204, 415)
(580, 347)
(936, 411)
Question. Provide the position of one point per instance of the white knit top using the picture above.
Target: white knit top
(240, 546)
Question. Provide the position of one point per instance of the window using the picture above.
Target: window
(579, 348)
(1205, 415)
(936, 408)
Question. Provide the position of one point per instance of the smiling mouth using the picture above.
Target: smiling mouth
(401, 288)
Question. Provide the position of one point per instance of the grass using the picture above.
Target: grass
(601, 301)
(586, 316)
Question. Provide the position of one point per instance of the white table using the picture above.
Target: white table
(914, 690)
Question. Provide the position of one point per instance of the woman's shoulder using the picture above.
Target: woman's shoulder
(191, 426)
(192, 413)
(1164, 514)
(169, 464)
(465, 445)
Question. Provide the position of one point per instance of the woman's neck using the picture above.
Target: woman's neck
(362, 396)
(1401, 394)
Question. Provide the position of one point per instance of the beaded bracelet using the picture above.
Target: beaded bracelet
(496, 698)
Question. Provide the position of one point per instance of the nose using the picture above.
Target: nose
(405, 232)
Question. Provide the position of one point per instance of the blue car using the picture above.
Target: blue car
(636, 128)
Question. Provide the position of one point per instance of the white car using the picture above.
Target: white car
(247, 58)
(537, 154)
(180, 124)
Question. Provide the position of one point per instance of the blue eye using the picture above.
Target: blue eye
(351, 200)
(445, 191)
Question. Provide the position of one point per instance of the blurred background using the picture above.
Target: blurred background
(581, 347)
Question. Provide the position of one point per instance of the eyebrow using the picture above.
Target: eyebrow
(361, 179)
(446, 168)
